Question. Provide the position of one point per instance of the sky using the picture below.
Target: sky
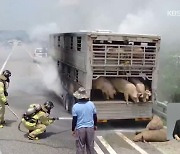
(74, 15)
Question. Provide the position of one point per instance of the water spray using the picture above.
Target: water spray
(2, 68)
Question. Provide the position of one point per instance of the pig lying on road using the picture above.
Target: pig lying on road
(154, 132)
(152, 136)
(105, 86)
(127, 88)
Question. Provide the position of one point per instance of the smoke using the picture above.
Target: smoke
(152, 20)
(68, 2)
(40, 33)
(32, 78)
(140, 23)
(50, 76)
(47, 67)
(29, 77)
(137, 17)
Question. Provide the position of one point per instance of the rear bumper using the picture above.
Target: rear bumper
(118, 110)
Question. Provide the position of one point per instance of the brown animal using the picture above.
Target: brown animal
(154, 132)
(138, 53)
(142, 93)
(105, 86)
(152, 136)
(147, 95)
(155, 124)
(127, 88)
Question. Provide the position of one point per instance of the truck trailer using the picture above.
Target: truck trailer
(83, 57)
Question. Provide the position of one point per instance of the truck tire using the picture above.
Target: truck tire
(69, 102)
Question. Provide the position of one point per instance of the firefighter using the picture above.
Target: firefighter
(36, 120)
(4, 83)
(48, 105)
(7, 74)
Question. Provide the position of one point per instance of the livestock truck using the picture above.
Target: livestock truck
(83, 57)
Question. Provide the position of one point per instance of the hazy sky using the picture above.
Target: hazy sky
(69, 15)
(130, 16)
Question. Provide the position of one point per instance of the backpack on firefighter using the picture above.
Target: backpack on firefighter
(28, 115)
(34, 109)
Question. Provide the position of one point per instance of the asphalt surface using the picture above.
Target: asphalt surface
(27, 87)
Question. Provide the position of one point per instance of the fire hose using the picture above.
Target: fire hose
(12, 112)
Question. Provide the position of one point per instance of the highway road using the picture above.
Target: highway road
(36, 83)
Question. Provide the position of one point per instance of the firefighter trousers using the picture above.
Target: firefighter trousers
(37, 130)
(2, 112)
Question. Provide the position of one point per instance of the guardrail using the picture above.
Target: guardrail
(160, 108)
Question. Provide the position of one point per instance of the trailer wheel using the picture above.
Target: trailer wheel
(69, 102)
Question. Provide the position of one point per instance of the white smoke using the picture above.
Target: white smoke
(41, 32)
(50, 76)
(143, 22)
(48, 72)
(152, 20)
(68, 2)
(137, 17)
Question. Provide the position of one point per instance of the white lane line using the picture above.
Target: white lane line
(128, 131)
(106, 145)
(97, 149)
(65, 118)
(131, 143)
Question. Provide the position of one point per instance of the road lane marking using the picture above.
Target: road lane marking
(106, 145)
(127, 130)
(131, 143)
(65, 118)
(97, 149)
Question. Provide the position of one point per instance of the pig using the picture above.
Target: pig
(138, 53)
(127, 88)
(146, 95)
(155, 124)
(154, 132)
(142, 93)
(105, 86)
(151, 136)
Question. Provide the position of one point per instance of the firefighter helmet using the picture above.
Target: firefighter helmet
(48, 105)
(6, 73)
